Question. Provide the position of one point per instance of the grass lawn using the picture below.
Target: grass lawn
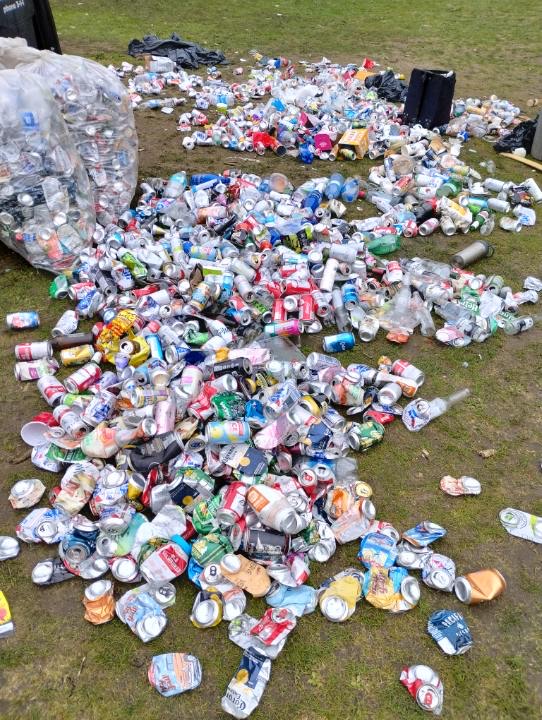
(59, 666)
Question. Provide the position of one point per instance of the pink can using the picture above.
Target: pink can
(51, 389)
(83, 378)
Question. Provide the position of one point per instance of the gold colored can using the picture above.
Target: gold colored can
(479, 586)
(99, 602)
(78, 355)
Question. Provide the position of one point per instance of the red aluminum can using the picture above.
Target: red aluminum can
(147, 290)
(279, 313)
(306, 309)
(83, 378)
(33, 350)
(233, 503)
(51, 389)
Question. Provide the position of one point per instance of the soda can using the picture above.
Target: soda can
(284, 397)
(263, 545)
(164, 415)
(450, 631)
(51, 389)
(424, 534)
(232, 505)
(479, 586)
(50, 571)
(35, 369)
(240, 366)
(99, 602)
(78, 544)
(83, 378)
(26, 493)
(174, 673)
(404, 369)
(33, 350)
(228, 432)
(377, 549)
(23, 320)
(78, 355)
(362, 436)
(425, 686)
(142, 613)
(167, 562)
(338, 343)
(125, 569)
(66, 324)
(100, 408)
(228, 406)
(438, 572)
(207, 609)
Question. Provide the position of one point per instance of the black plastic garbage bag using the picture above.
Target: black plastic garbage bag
(184, 53)
(387, 86)
(522, 136)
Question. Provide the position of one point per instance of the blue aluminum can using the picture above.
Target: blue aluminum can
(338, 343)
(23, 320)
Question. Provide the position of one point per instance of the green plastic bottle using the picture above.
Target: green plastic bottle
(384, 245)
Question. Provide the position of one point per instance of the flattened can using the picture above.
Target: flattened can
(174, 673)
(23, 320)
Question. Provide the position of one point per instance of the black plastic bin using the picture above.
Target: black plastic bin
(31, 20)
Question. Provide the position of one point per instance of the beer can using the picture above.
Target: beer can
(51, 389)
(23, 320)
(338, 343)
(404, 369)
(78, 355)
(83, 378)
(438, 572)
(33, 350)
(227, 432)
(232, 505)
(66, 324)
(164, 415)
(35, 369)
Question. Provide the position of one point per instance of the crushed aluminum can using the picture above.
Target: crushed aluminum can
(522, 524)
(245, 689)
(142, 613)
(9, 547)
(463, 485)
(438, 572)
(207, 609)
(412, 557)
(26, 493)
(377, 549)
(424, 534)
(174, 673)
(99, 602)
(425, 686)
(450, 631)
(50, 571)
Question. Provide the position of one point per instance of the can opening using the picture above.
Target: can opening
(462, 589)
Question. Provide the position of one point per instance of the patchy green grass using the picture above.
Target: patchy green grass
(58, 665)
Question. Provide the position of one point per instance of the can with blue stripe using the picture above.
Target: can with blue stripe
(338, 343)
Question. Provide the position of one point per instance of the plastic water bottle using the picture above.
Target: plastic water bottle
(350, 190)
(176, 185)
(334, 186)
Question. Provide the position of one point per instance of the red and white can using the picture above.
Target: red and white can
(233, 503)
(405, 370)
(33, 350)
(83, 378)
(306, 309)
(51, 389)
(279, 313)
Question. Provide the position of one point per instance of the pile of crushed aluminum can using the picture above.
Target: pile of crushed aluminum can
(198, 438)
